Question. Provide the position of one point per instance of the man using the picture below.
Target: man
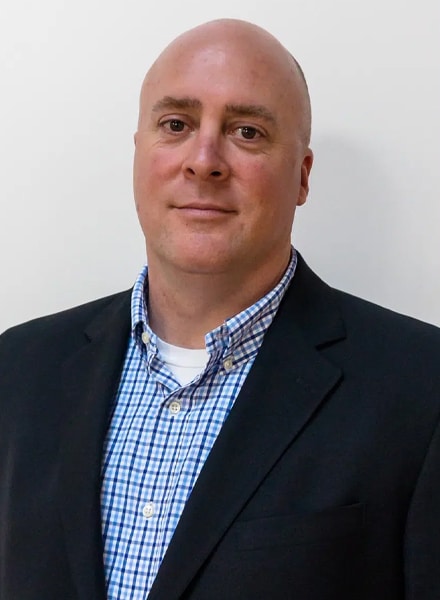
(250, 433)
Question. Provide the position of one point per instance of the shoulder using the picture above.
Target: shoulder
(318, 301)
(395, 355)
(57, 328)
(382, 324)
(366, 340)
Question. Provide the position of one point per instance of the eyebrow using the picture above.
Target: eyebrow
(168, 102)
(250, 110)
(241, 110)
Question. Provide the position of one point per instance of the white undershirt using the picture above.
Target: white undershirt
(184, 363)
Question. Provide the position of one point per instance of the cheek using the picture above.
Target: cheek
(255, 176)
(149, 176)
(272, 193)
(262, 184)
(147, 170)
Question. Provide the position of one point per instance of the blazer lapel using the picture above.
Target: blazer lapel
(287, 383)
(90, 378)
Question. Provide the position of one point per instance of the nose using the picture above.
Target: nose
(205, 159)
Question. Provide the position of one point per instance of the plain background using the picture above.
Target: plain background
(70, 74)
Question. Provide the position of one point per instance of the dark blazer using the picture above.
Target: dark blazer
(324, 482)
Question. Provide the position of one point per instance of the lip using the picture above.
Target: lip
(204, 211)
(200, 206)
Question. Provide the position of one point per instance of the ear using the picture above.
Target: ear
(306, 167)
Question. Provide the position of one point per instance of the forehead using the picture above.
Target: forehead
(220, 73)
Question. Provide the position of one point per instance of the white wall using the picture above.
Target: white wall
(69, 82)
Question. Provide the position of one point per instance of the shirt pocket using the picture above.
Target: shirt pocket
(307, 528)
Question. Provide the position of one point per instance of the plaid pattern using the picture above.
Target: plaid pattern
(161, 433)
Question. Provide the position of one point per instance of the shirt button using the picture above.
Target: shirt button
(175, 407)
(228, 364)
(148, 510)
(146, 337)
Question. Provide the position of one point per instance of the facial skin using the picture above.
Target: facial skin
(221, 161)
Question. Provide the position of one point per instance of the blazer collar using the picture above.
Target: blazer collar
(287, 383)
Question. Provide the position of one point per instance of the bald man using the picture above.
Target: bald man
(232, 428)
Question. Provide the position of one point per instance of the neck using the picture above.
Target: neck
(183, 307)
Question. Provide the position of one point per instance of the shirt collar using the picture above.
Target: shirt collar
(244, 330)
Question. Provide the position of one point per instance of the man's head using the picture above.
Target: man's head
(222, 157)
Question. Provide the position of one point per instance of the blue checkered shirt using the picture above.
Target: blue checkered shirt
(161, 433)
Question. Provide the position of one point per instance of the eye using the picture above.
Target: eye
(248, 133)
(174, 125)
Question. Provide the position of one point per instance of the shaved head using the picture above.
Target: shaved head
(248, 39)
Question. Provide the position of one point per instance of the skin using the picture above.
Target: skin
(221, 163)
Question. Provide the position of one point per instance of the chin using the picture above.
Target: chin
(203, 255)
(202, 267)
(202, 262)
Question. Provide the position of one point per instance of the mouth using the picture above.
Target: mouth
(204, 210)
